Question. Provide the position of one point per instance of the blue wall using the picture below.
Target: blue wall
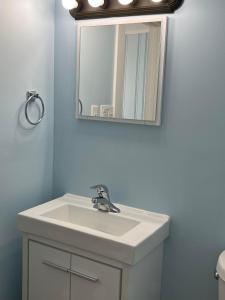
(178, 169)
(26, 156)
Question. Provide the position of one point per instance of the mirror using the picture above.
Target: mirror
(120, 67)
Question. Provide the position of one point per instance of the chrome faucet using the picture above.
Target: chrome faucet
(102, 201)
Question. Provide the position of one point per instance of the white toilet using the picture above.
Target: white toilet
(220, 275)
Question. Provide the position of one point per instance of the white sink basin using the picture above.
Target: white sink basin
(126, 237)
(108, 223)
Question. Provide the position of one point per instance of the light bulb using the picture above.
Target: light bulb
(125, 2)
(156, 0)
(69, 4)
(96, 3)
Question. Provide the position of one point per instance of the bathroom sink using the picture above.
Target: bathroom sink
(72, 220)
(108, 223)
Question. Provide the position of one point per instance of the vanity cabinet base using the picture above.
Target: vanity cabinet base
(54, 271)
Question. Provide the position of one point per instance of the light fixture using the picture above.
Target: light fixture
(88, 9)
(126, 2)
(70, 4)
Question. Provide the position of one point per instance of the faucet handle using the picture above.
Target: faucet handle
(100, 188)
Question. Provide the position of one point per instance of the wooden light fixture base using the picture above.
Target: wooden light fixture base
(115, 9)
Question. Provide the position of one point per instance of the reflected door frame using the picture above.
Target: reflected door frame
(151, 75)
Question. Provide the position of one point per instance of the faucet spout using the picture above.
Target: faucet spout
(102, 201)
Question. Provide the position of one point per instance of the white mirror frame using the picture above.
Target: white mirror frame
(126, 20)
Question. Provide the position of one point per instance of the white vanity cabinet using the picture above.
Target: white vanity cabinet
(58, 275)
(72, 251)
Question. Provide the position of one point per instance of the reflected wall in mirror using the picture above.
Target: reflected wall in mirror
(120, 67)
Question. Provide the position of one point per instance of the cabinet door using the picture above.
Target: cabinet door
(91, 280)
(49, 278)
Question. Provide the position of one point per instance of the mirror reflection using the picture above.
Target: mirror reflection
(120, 71)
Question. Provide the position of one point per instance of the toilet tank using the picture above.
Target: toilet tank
(220, 269)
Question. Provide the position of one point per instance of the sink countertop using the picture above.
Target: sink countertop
(142, 232)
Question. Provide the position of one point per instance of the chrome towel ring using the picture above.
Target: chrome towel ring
(32, 97)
